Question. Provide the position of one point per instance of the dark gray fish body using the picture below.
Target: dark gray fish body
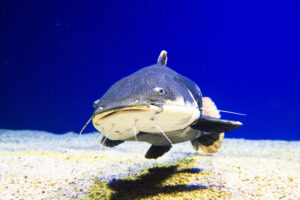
(155, 105)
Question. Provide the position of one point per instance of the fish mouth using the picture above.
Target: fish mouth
(145, 106)
(125, 109)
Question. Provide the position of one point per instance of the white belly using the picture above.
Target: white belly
(126, 122)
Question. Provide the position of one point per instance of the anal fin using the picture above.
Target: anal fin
(209, 143)
(110, 143)
(157, 151)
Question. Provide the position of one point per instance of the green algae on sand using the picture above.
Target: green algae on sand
(164, 181)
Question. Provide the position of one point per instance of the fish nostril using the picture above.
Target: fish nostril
(95, 103)
(98, 109)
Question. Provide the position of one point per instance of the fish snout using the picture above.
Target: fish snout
(101, 106)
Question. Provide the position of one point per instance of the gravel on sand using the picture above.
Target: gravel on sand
(41, 165)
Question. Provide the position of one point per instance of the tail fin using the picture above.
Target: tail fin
(209, 142)
(210, 108)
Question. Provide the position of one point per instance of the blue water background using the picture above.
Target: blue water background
(57, 57)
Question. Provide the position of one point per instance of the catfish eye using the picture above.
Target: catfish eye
(159, 91)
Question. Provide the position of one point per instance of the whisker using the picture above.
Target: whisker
(134, 130)
(225, 111)
(107, 134)
(97, 137)
(103, 140)
(236, 113)
(86, 124)
(162, 131)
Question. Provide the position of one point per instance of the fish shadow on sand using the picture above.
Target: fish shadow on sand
(157, 181)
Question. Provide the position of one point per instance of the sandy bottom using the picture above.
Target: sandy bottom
(41, 165)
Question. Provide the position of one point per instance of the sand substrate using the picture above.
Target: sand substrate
(41, 165)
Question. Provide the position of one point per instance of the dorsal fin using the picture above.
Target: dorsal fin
(162, 59)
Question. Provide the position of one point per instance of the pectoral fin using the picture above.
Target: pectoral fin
(110, 143)
(215, 125)
(157, 151)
